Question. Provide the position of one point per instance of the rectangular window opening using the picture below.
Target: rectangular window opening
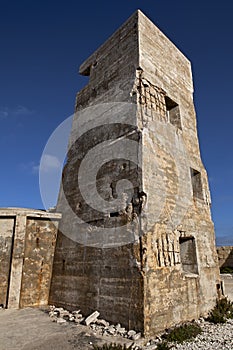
(173, 112)
(196, 183)
(188, 255)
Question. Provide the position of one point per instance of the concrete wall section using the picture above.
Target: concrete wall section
(40, 241)
(89, 272)
(27, 247)
(6, 238)
(98, 279)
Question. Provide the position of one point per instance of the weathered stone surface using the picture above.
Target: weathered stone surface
(136, 336)
(27, 240)
(165, 270)
(6, 226)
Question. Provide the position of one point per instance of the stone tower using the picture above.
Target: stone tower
(136, 238)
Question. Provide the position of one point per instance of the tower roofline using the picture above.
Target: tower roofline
(84, 68)
(137, 18)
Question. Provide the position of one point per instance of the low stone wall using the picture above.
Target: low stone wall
(227, 280)
(225, 256)
(27, 243)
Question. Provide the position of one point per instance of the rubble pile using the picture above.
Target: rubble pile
(60, 315)
(99, 326)
(213, 336)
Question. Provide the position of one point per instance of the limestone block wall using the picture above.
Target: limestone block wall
(163, 268)
(181, 269)
(28, 240)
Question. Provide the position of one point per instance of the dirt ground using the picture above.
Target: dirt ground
(32, 329)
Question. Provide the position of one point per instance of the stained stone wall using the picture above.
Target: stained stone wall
(183, 231)
(27, 239)
(7, 227)
(143, 255)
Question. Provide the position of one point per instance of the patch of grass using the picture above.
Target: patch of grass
(164, 346)
(112, 347)
(183, 333)
(226, 269)
(221, 312)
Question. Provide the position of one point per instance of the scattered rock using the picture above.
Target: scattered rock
(216, 337)
(139, 343)
(61, 320)
(150, 347)
(112, 329)
(92, 318)
(136, 336)
(61, 315)
(122, 331)
(131, 333)
(99, 326)
(102, 323)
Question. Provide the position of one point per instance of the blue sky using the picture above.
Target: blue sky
(44, 42)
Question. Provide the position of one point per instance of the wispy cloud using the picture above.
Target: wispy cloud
(6, 112)
(48, 163)
(22, 110)
(28, 167)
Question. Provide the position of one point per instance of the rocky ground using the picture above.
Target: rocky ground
(56, 328)
(217, 337)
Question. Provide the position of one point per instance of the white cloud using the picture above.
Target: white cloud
(28, 167)
(35, 168)
(22, 110)
(48, 163)
(6, 112)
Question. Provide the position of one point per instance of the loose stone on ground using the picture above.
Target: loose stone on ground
(31, 329)
(218, 337)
